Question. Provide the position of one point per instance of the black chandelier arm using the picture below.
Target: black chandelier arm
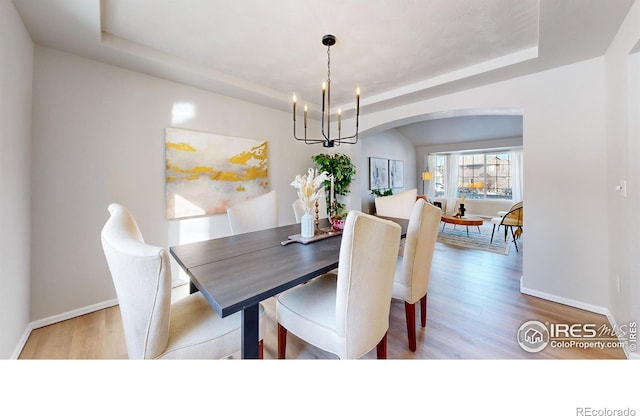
(309, 141)
(305, 139)
(326, 137)
(327, 141)
(345, 140)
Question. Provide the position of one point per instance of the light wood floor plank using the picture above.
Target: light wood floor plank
(474, 310)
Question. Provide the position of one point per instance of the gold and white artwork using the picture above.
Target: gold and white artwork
(207, 173)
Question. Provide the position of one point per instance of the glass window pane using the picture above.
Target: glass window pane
(480, 175)
(439, 175)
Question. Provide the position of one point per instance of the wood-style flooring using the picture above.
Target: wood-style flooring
(474, 311)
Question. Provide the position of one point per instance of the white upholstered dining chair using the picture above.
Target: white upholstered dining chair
(254, 214)
(413, 269)
(346, 314)
(396, 206)
(153, 326)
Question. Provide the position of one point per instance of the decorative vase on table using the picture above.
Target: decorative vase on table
(307, 226)
(308, 187)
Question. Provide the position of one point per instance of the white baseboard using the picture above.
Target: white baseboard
(21, 344)
(73, 314)
(59, 318)
(564, 301)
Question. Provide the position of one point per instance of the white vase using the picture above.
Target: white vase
(306, 222)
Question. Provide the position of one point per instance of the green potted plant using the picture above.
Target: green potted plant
(382, 192)
(343, 170)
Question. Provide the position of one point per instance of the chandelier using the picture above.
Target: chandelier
(326, 140)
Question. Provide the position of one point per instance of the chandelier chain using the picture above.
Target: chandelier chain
(328, 63)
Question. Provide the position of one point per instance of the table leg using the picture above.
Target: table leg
(250, 328)
(467, 231)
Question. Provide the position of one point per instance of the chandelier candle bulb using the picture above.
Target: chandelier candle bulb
(294, 108)
(305, 116)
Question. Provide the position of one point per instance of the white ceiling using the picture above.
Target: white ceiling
(396, 51)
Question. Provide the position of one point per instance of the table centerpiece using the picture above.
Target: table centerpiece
(308, 187)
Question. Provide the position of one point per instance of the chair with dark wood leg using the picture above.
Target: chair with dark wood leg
(413, 269)
(346, 314)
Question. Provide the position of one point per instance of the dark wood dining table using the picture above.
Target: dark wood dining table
(237, 272)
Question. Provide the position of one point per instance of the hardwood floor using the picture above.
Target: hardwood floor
(474, 311)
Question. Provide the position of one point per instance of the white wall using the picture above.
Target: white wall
(388, 144)
(566, 256)
(623, 154)
(99, 138)
(16, 68)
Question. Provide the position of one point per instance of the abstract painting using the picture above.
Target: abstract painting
(396, 174)
(207, 173)
(378, 173)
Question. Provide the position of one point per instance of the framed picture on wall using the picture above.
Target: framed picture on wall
(378, 173)
(207, 173)
(396, 174)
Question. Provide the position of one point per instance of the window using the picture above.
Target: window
(485, 176)
(480, 175)
(439, 174)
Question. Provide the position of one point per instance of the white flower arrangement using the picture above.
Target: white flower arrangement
(309, 187)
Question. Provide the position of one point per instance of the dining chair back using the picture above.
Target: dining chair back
(413, 269)
(347, 314)
(365, 269)
(396, 206)
(255, 214)
(153, 326)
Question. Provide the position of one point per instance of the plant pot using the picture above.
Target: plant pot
(338, 225)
